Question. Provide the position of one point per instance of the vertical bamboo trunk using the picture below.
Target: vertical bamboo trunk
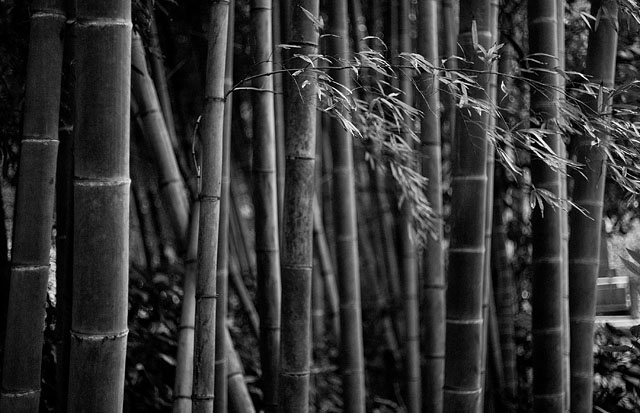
(278, 104)
(34, 211)
(492, 93)
(463, 359)
(433, 284)
(352, 358)
(266, 203)
(449, 49)
(588, 193)
(297, 251)
(239, 398)
(407, 242)
(101, 207)
(184, 358)
(548, 390)
(158, 141)
(564, 220)
(212, 147)
(505, 295)
(222, 271)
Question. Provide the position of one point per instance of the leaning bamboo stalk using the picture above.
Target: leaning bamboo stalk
(235, 276)
(101, 206)
(463, 359)
(317, 304)
(222, 271)
(297, 251)
(321, 249)
(239, 398)
(266, 202)
(212, 139)
(157, 139)
(548, 389)
(184, 359)
(433, 286)
(588, 193)
(34, 211)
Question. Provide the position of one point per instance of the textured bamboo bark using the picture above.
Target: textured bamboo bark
(463, 359)
(351, 347)
(212, 147)
(239, 398)
(321, 249)
(297, 252)
(266, 203)
(222, 271)
(34, 211)
(101, 206)
(409, 253)
(157, 139)
(548, 390)
(433, 284)
(184, 358)
(588, 193)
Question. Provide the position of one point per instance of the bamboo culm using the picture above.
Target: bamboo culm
(101, 206)
(34, 211)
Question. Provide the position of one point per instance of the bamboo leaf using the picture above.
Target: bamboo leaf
(631, 266)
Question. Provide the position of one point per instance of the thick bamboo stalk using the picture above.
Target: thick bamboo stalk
(182, 387)
(34, 212)
(548, 390)
(222, 272)
(212, 139)
(321, 249)
(101, 206)
(297, 251)
(588, 193)
(433, 286)
(157, 139)
(266, 202)
(351, 347)
(239, 398)
(463, 360)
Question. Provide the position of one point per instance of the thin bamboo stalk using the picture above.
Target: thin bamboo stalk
(239, 398)
(182, 388)
(266, 203)
(212, 148)
(278, 85)
(148, 114)
(101, 206)
(297, 251)
(317, 304)
(548, 389)
(463, 359)
(321, 249)
(409, 256)
(222, 271)
(243, 295)
(588, 193)
(33, 218)
(433, 286)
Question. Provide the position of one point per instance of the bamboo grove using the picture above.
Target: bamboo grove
(255, 205)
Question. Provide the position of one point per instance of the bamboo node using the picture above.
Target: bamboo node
(195, 396)
(99, 337)
(208, 198)
(19, 393)
(209, 99)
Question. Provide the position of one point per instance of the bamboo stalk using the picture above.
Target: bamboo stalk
(243, 294)
(182, 388)
(212, 146)
(101, 206)
(34, 212)
(588, 193)
(317, 304)
(463, 359)
(239, 398)
(222, 272)
(148, 114)
(548, 389)
(297, 253)
(266, 202)
(321, 249)
(433, 286)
